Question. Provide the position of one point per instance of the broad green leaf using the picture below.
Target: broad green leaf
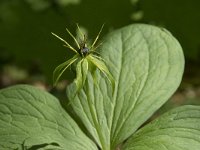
(91, 111)
(147, 65)
(178, 129)
(30, 117)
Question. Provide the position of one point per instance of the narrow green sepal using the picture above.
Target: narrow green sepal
(103, 68)
(59, 70)
(81, 73)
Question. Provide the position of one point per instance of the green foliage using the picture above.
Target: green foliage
(146, 63)
(31, 117)
(175, 130)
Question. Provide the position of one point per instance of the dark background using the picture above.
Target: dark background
(29, 53)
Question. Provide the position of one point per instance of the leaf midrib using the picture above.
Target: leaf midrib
(139, 91)
(117, 89)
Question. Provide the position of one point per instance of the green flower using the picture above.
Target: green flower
(85, 57)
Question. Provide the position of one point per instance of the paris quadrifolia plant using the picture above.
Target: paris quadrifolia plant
(85, 55)
(146, 63)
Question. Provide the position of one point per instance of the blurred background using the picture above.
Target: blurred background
(29, 53)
